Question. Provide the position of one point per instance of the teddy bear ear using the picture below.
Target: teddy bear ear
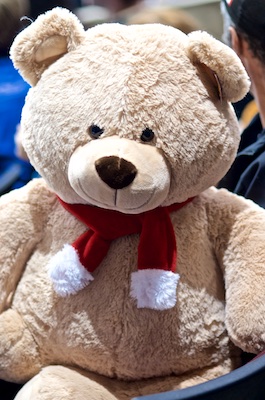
(52, 35)
(219, 65)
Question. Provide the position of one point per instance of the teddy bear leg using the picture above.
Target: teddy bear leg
(19, 355)
(61, 383)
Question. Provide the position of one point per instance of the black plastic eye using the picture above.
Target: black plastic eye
(147, 135)
(95, 131)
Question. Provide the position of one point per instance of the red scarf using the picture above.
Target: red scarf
(157, 244)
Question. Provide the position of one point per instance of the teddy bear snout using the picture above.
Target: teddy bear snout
(116, 172)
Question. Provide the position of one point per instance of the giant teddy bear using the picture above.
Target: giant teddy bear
(124, 271)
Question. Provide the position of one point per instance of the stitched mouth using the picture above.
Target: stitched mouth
(139, 206)
(115, 195)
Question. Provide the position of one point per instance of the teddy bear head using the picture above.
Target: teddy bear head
(127, 118)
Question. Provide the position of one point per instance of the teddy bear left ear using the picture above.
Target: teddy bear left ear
(52, 35)
(220, 63)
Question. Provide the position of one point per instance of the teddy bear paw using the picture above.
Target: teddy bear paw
(67, 273)
(154, 289)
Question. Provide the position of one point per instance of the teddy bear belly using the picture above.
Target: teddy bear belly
(101, 329)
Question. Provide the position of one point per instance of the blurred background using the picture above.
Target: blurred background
(91, 12)
(206, 12)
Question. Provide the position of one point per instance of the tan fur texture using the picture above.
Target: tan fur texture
(97, 343)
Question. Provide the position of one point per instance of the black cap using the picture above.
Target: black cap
(247, 15)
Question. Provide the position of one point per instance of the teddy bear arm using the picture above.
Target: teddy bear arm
(236, 231)
(245, 299)
(19, 352)
(23, 214)
(244, 274)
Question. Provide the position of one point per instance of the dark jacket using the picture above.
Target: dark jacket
(246, 177)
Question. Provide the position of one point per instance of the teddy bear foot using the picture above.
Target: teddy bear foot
(154, 289)
(67, 273)
(57, 382)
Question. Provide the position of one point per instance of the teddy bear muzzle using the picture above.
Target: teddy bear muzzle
(110, 173)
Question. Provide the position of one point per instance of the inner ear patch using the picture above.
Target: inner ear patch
(211, 81)
(51, 49)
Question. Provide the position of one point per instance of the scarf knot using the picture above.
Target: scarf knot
(157, 247)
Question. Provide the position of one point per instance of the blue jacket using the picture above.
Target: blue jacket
(13, 89)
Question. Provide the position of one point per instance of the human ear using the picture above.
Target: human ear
(236, 42)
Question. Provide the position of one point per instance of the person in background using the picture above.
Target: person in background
(244, 31)
(14, 172)
(245, 109)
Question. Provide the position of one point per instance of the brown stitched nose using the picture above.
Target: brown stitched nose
(116, 172)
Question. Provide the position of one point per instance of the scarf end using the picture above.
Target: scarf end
(67, 273)
(155, 289)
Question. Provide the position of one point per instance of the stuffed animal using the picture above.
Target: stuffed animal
(124, 271)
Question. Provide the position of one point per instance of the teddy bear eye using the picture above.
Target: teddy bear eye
(95, 131)
(147, 135)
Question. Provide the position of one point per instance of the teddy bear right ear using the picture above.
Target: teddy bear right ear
(220, 66)
(52, 35)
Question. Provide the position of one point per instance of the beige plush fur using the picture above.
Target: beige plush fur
(97, 343)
